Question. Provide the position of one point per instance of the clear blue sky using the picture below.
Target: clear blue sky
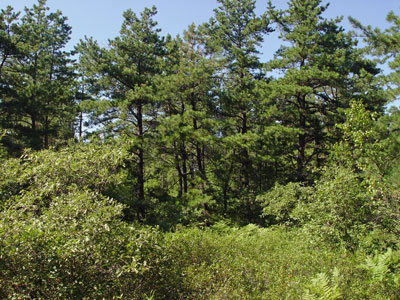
(102, 18)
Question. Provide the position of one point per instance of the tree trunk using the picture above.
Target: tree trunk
(80, 125)
(301, 141)
(140, 163)
(184, 166)
(46, 133)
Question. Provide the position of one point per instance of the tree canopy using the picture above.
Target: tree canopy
(183, 167)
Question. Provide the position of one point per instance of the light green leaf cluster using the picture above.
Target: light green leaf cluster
(323, 288)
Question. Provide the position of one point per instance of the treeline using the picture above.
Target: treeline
(205, 123)
(109, 154)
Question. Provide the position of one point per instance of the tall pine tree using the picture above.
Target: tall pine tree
(234, 36)
(385, 44)
(185, 131)
(322, 70)
(125, 71)
(37, 79)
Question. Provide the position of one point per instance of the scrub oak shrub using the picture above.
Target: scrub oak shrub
(62, 236)
(77, 247)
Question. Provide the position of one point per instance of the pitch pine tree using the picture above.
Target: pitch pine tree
(125, 71)
(37, 79)
(322, 71)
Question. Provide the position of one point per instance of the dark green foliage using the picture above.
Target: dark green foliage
(234, 36)
(386, 45)
(188, 135)
(185, 129)
(322, 72)
(389, 140)
(124, 72)
(36, 86)
(8, 37)
(353, 197)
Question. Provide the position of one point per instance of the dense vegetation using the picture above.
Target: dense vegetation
(187, 168)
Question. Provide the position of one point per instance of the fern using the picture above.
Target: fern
(378, 265)
(384, 268)
(323, 288)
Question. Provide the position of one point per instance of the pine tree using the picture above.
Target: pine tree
(234, 35)
(185, 132)
(125, 71)
(9, 39)
(8, 50)
(385, 44)
(37, 79)
(322, 70)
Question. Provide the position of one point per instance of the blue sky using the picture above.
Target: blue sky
(102, 19)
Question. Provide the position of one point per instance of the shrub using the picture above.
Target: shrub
(77, 248)
(62, 237)
(246, 263)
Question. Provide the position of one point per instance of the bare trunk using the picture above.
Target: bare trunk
(200, 161)
(301, 141)
(184, 167)
(80, 125)
(140, 163)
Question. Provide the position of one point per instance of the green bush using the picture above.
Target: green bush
(77, 248)
(342, 208)
(62, 237)
(48, 173)
(256, 263)
(282, 202)
(247, 263)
